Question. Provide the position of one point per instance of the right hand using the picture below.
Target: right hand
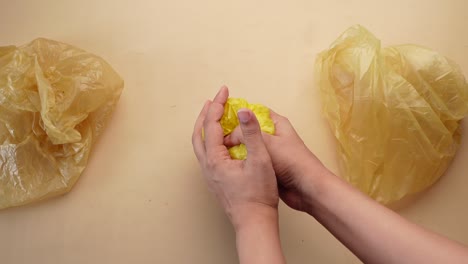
(295, 165)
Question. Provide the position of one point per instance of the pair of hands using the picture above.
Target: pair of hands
(249, 193)
(275, 166)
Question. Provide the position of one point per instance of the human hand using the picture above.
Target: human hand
(294, 164)
(243, 187)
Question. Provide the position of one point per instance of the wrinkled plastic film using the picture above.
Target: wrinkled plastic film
(54, 101)
(229, 122)
(395, 112)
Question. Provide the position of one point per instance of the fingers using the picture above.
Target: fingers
(282, 125)
(236, 138)
(274, 116)
(278, 120)
(213, 130)
(222, 95)
(197, 139)
(252, 135)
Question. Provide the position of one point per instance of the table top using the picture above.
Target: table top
(142, 198)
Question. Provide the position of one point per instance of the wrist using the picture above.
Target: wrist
(315, 179)
(252, 215)
(257, 235)
(309, 169)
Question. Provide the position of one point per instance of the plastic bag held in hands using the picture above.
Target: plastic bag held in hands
(395, 112)
(54, 101)
(229, 122)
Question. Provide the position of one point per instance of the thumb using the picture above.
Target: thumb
(252, 135)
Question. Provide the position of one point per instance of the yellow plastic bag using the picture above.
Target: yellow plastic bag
(54, 102)
(229, 122)
(395, 112)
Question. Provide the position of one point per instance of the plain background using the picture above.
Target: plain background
(142, 198)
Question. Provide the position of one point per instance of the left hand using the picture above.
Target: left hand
(243, 187)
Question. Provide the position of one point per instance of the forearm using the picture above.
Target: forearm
(257, 236)
(373, 232)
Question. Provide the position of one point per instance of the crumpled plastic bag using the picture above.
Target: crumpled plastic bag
(54, 101)
(394, 111)
(229, 122)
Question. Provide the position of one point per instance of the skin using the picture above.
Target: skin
(281, 166)
(247, 189)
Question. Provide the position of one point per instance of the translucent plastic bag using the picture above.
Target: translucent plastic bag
(395, 112)
(54, 102)
(229, 122)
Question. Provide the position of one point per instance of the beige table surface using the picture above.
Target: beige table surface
(142, 198)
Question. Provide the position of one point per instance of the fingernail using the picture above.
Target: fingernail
(244, 115)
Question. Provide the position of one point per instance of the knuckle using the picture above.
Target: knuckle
(250, 132)
(211, 164)
(235, 136)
